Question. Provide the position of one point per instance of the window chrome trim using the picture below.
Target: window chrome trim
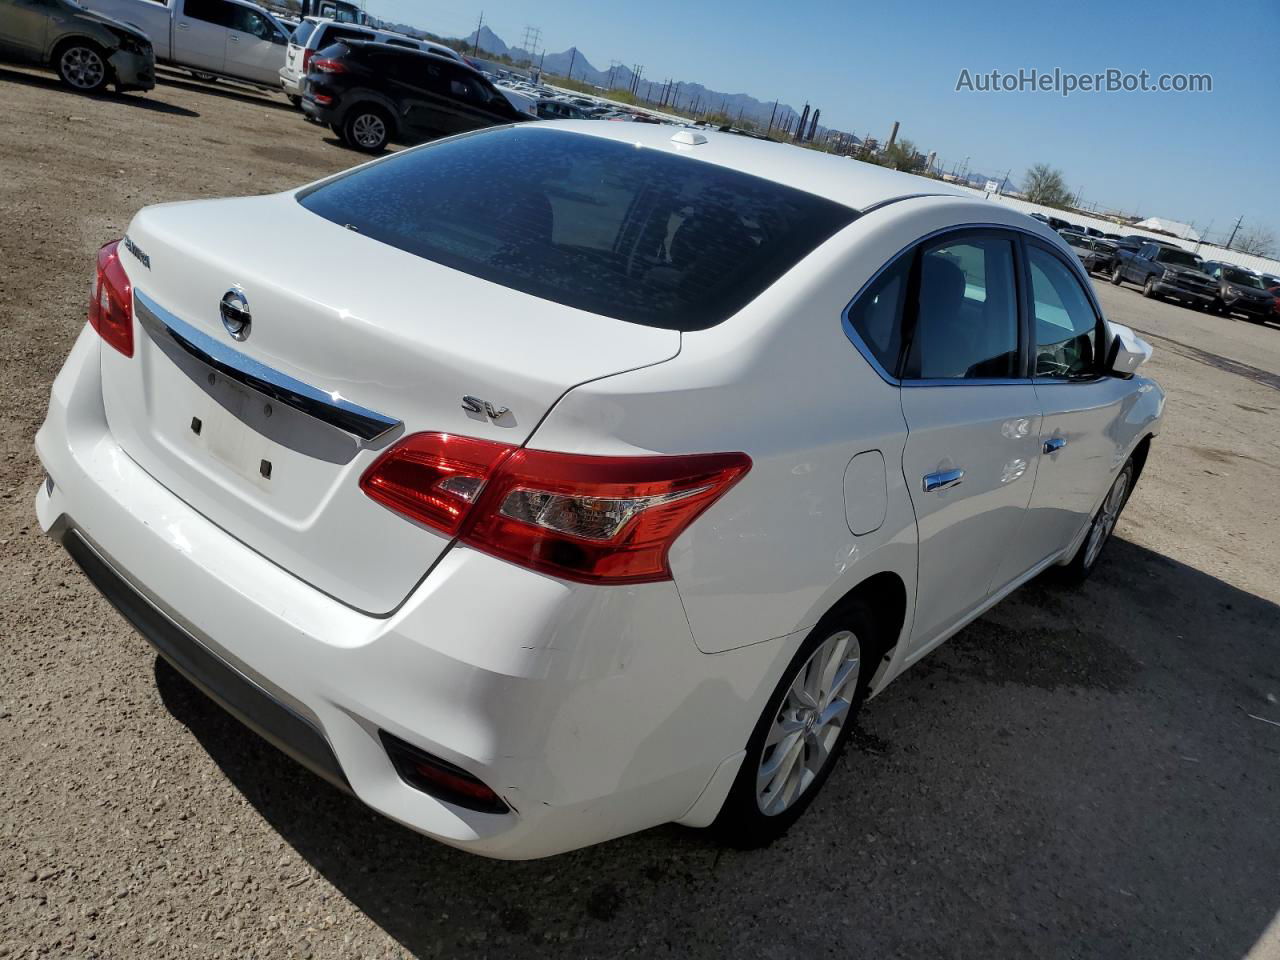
(860, 345)
(168, 330)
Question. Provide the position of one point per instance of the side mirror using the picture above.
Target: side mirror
(1126, 351)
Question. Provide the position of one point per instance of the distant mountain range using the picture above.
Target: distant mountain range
(683, 94)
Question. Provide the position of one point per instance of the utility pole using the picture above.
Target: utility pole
(573, 58)
(1234, 229)
(613, 69)
(475, 47)
(772, 113)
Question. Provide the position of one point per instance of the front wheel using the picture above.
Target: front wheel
(1101, 527)
(1149, 289)
(805, 726)
(367, 129)
(83, 67)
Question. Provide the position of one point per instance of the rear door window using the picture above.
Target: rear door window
(210, 11)
(637, 234)
(966, 311)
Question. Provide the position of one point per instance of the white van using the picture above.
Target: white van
(316, 33)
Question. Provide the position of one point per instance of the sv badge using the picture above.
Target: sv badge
(476, 405)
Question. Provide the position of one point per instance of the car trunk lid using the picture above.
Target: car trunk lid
(351, 344)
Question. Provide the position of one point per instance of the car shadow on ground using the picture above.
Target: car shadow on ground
(228, 90)
(1078, 773)
(133, 99)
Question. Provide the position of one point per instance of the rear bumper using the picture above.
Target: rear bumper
(589, 710)
(290, 83)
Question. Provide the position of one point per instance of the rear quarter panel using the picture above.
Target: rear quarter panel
(781, 382)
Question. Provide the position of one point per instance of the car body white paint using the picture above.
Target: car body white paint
(593, 711)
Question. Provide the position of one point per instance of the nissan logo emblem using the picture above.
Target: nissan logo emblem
(235, 313)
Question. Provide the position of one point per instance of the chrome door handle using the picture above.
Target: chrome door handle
(182, 26)
(1054, 444)
(942, 480)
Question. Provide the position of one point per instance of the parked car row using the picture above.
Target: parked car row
(1168, 271)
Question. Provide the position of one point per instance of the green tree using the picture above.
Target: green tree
(1046, 185)
(903, 155)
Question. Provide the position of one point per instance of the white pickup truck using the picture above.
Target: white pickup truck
(210, 38)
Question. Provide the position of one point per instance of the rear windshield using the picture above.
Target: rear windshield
(634, 234)
(1179, 258)
(301, 32)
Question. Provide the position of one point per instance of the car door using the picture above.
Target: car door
(1082, 435)
(200, 34)
(973, 421)
(1140, 264)
(24, 26)
(255, 46)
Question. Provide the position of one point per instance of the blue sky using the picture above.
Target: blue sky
(1205, 158)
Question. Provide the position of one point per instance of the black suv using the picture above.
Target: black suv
(371, 93)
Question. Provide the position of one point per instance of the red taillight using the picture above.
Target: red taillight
(433, 478)
(111, 301)
(322, 98)
(584, 518)
(325, 65)
(306, 59)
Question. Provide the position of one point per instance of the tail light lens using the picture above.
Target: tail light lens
(325, 65)
(111, 301)
(605, 520)
(433, 478)
(306, 59)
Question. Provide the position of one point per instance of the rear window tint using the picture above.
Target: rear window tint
(638, 235)
(332, 34)
(301, 32)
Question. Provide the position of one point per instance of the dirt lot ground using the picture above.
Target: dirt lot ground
(1076, 775)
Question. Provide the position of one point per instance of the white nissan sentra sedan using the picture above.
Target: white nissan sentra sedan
(573, 479)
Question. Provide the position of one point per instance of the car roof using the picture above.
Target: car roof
(410, 51)
(856, 185)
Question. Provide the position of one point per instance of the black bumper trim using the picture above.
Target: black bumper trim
(245, 700)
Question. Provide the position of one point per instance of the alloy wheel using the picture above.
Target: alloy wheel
(368, 130)
(83, 68)
(808, 724)
(1106, 519)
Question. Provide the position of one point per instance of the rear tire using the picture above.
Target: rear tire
(296, 101)
(792, 750)
(1116, 276)
(366, 128)
(1101, 527)
(82, 66)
